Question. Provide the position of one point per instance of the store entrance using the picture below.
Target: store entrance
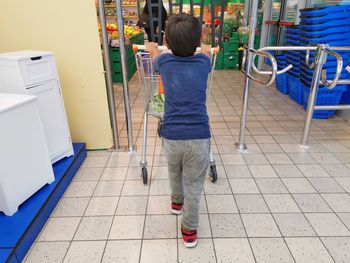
(277, 16)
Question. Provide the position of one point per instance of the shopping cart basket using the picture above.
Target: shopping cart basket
(153, 96)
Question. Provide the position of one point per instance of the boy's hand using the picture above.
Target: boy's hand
(152, 49)
(205, 49)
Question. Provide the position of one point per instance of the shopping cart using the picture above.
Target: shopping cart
(153, 95)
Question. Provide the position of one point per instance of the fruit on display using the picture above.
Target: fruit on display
(129, 31)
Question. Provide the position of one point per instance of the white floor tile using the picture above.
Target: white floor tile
(160, 226)
(338, 247)
(237, 171)
(281, 203)
(270, 250)
(260, 225)
(60, 229)
(166, 251)
(85, 251)
(134, 188)
(271, 185)
(293, 225)
(313, 170)
(102, 206)
(68, 207)
(127, 251)
(311, 203)
(233, 250)
(298, 185)
(88, 174)
(226, 225)
(221, 204)
(262, 171)
(114, 173)
(203, 252)
(308, 250)
(43, 252)
(132, 205)
(327, 224)
(326, 185)
(93, 228)
(95, 161)
(159, 187)
(345, 183)
(220, 187)
(108, 188)
(159, 205)
(244, 186)
(251, 204)
(81, 189)
(127, 227)
(287, 170)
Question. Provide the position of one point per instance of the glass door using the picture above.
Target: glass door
(278, 14)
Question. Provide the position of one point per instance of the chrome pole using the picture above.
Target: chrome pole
(319, 59)
(108, 75)
(125, 74)
(241, 146)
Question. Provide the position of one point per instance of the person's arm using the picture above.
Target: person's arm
(152, 48)
(205, 49)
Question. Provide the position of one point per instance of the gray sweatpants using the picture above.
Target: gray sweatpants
(187, 166)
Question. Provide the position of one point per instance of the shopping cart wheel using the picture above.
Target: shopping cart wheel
(213, 174)
(144, 175)
(159, 129)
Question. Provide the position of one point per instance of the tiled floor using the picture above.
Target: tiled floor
(275, 203)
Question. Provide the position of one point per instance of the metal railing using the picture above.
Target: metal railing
(319, 75)
(319, 78)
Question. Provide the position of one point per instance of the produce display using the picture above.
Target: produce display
(129, 31)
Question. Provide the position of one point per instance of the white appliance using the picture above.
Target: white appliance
(35, 73)
(25, 165)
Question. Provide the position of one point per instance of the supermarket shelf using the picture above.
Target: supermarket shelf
(113, 6)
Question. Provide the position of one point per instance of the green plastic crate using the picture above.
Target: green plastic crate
(231, 60)
(230, 46)
(118, 76)
(234, 36)
(219, 60)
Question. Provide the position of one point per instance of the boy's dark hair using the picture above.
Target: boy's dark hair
(183, 34)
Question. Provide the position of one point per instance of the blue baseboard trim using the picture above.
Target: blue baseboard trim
(20, 230)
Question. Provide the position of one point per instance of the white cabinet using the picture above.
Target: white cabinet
(35, 73)
(25, 165)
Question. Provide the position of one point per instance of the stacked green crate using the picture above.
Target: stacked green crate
(257, 46)
(219, 60)
(231, 58)
(117, 74)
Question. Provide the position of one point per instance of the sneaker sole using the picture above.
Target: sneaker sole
(175, 212)
(191, 245)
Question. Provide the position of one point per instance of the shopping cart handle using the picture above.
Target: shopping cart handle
(136, 48)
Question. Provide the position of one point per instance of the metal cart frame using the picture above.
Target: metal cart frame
(149, 82)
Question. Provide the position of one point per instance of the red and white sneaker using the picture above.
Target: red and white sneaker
(189, 237)
(176, 208)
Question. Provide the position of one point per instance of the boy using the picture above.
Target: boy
(185, 131)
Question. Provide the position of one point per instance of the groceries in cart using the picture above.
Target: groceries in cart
(157, 103)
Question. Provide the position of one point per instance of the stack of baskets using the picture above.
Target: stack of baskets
(327, 25)
(292, 58)
(281, 80)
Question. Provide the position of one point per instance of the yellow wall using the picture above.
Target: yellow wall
(69, 29)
